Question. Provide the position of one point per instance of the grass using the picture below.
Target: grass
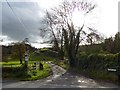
(14, 70)
(10, 64)
(39, 74)
(44, 49)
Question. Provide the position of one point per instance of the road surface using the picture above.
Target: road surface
(60, 79)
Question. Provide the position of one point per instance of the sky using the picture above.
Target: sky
(103, 18)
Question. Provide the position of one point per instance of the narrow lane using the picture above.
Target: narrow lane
(60, 79)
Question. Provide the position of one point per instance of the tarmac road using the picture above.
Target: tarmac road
(60, 79)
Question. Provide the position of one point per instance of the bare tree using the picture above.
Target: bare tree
(94, 37)
(67, 37)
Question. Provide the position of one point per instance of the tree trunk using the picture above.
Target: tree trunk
(20, 59)
(72, 61)
(20, 55)
(61, 54)
(71, 57)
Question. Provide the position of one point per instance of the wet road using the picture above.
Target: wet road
(60, 79)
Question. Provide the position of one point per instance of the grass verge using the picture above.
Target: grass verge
(16, 71)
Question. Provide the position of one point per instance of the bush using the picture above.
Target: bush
(118, 61)
(98, 61)
(95, 63)
(82, 60)
(16, 72)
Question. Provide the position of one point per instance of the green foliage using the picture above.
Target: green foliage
(111, 44)
(118, 60)
(117, 43)
(96, 65)
(18, 50)
(108, 45)
(97, 61)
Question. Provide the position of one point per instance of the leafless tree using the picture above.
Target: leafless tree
(94, 37)
(65, 35)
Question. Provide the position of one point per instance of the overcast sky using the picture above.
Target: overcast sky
(104, 18)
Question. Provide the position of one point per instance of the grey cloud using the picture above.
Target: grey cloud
(28, 12)
(14, 30)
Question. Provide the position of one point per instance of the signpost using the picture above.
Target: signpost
(26, 53)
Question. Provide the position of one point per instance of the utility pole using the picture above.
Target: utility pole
(26, 53)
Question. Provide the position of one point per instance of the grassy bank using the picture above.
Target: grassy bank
(16, 71)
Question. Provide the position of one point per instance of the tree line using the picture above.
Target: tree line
(108, 45)
(112, 44)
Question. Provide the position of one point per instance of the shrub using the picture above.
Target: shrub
(96, 65)
(96, 61)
